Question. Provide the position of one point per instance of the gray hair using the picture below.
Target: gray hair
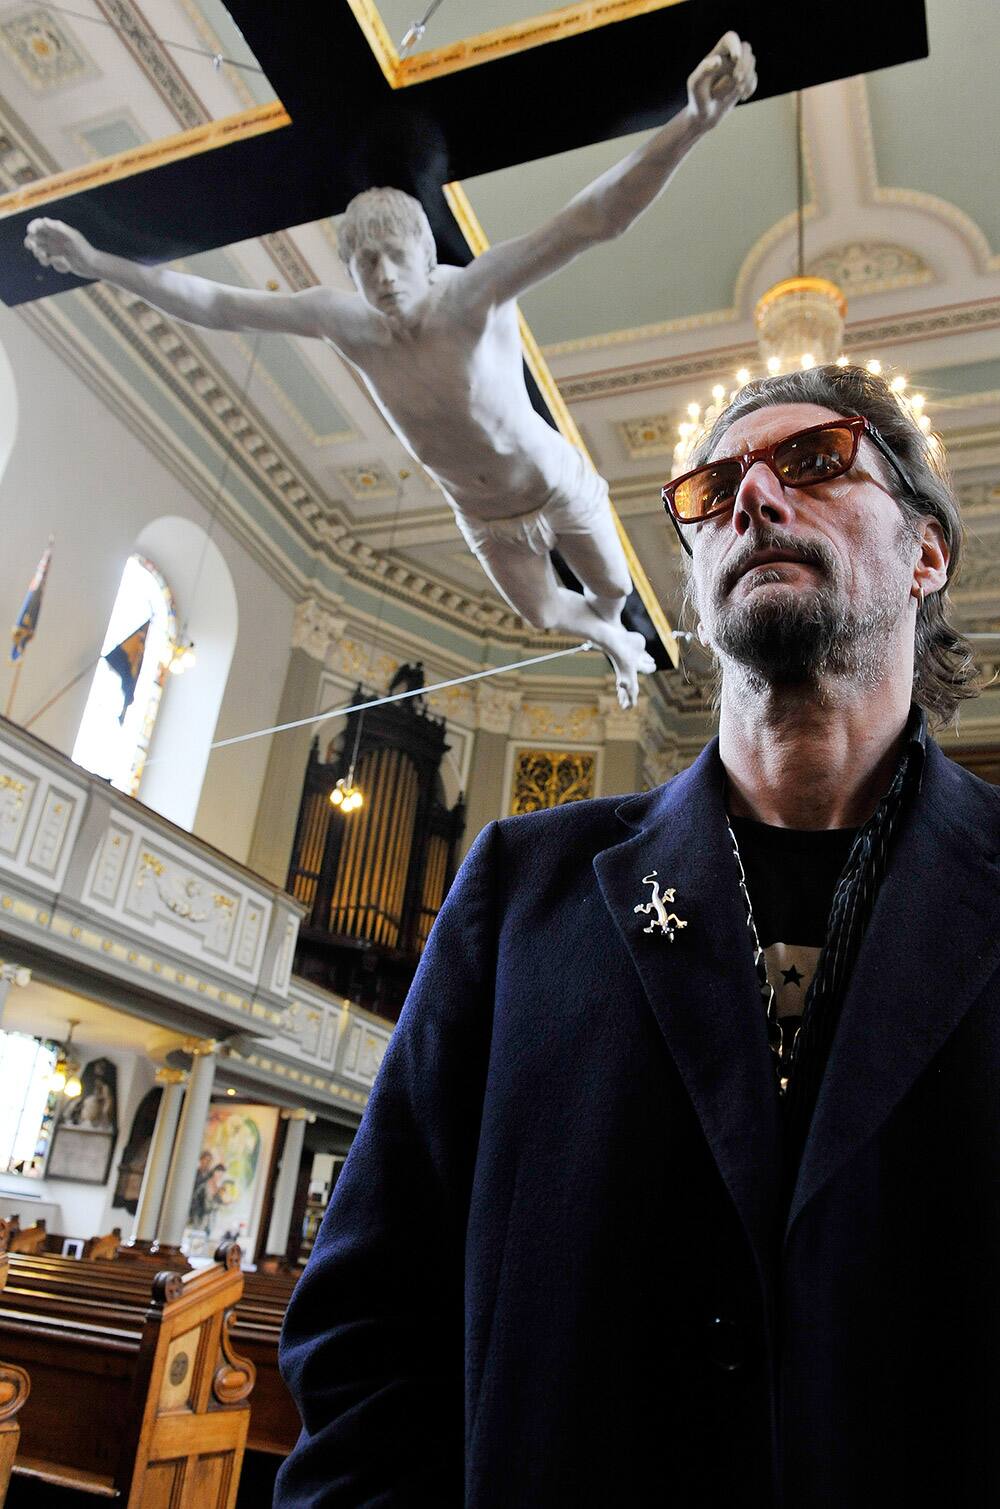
(944, 670)
(377, 213)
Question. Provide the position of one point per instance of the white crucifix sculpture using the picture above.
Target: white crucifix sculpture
(439, 350)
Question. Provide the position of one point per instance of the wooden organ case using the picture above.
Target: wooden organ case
(374, 878)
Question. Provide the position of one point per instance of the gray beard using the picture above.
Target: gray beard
(798, 639)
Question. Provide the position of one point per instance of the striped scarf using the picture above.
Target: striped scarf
(850, 911)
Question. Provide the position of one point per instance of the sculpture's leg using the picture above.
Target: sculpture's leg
(528, 582)
(595, 555)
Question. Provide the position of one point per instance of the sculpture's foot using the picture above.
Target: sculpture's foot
(629, 657)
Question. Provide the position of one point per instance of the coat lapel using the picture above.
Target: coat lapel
(702, 987)
(930, 948)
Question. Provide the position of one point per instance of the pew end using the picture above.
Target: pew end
(151, 1410)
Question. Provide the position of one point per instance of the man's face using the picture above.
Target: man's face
(795, 582)
(391, 273)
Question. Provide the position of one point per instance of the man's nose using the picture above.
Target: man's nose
(760, 500)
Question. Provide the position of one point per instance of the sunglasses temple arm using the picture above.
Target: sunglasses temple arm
(890, 455)
(679, 532)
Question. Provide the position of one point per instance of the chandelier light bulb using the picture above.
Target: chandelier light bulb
(917, 401)
(774, 365)
(743, 376)
(843, 361)
(74, 1088)
(694, 410)
(346, 796)
(718, 392)
(874, 367)
(898, 383)
(57, 1079)
(807, 360)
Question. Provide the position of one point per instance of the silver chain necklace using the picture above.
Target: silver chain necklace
(781, 1043)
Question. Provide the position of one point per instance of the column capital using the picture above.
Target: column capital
(620, 723)
(299, 1114)
(315, 628)
(168, 1076)
(496, 708)
(199, 1047)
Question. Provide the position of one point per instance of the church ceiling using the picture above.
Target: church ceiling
(901, 210)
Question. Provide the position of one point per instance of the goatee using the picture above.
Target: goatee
(796, 637)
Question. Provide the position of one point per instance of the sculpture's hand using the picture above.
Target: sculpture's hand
(60, 246)
(726, 76)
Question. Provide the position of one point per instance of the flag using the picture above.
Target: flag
(126, 662)
(23, 631)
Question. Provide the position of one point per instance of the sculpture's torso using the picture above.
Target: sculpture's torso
(452, 389)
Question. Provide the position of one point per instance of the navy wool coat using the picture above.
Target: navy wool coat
(556, 1271)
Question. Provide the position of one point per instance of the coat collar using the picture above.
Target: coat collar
(702, 987)
(929, 950)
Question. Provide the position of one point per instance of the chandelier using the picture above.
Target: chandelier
(346, 795)
(65, 1077)
(800, 324)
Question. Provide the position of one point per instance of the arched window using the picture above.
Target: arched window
(125, 693)
(27, 1111)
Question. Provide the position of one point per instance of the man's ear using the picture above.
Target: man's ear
(930, 574)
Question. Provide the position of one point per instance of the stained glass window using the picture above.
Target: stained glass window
(113, 739)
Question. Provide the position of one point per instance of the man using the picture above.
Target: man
(607, 1235)
(440, 352)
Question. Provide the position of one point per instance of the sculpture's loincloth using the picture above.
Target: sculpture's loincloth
(576, 505)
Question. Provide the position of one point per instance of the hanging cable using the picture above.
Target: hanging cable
(345, 794)
(800, 184)
(183, 648)
(420, 691)
(416, 29)
(217, 59)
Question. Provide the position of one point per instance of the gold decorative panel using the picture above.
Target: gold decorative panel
(550, 777)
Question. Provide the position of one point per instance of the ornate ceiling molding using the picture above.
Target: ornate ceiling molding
(861, 336)
(154, 60)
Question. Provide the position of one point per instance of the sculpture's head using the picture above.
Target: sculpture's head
(386, 243)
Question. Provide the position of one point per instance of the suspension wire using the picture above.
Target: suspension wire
(420, 691)
(416, 29)
(217, 59)
(800, 187)
(371, 642)
(213, 514)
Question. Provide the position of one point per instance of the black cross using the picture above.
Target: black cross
(351, 130)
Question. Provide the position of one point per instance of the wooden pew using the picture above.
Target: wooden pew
(31, 1239)
(14, 1390)
(97, 1292)
(103, 1249)
(139, 1393)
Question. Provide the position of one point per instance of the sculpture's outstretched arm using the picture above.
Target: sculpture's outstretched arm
(610, 204)
(198, 301)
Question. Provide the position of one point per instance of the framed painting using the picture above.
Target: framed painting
(229, 1186)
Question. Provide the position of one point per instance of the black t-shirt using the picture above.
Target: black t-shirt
(791, 875)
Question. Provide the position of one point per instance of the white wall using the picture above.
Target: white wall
(77, 471)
